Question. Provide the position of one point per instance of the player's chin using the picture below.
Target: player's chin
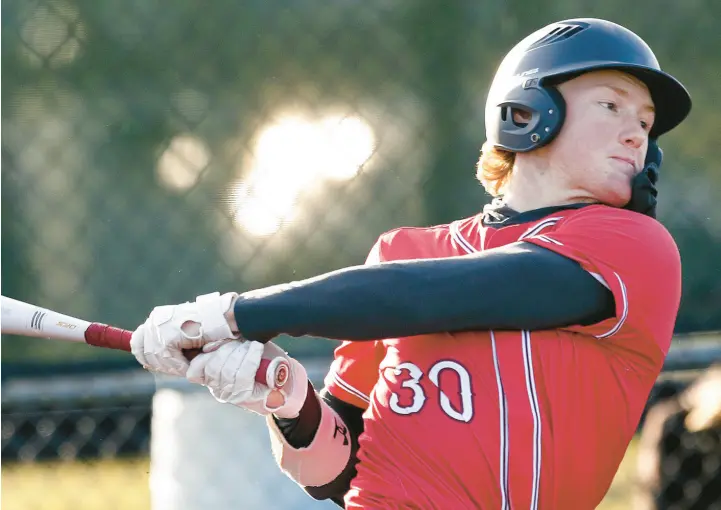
(616, 196)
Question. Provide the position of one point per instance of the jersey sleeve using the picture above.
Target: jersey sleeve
(354, 370)
(636, 258)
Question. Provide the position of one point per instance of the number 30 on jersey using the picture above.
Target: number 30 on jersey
(412, 383)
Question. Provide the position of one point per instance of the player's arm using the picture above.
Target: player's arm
(317, 449)
(518, 286)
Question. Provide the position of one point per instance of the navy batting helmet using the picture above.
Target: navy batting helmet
(560, 51)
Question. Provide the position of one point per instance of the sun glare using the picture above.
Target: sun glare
(291, 157)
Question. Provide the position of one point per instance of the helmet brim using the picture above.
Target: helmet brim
(671, 100)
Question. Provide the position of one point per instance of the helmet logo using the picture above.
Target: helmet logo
(560, 33)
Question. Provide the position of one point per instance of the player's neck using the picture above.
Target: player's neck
(530, 190)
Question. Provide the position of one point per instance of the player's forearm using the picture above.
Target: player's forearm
(318, 448)
(520, 286)
(300, 431)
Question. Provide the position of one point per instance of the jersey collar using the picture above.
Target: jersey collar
(497, 214)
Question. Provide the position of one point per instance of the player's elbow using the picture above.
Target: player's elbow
(334, 490)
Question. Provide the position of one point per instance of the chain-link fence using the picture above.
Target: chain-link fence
(679, 462)
(154, 150)
(690, 470)
(76, 440)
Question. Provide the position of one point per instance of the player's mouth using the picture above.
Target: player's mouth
(628, 162)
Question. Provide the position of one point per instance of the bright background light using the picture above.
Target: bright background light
(295, 157)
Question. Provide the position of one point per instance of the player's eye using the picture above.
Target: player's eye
(609, 105)
(647, 121)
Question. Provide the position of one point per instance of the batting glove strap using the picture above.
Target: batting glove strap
(323, 460)
(211, 310)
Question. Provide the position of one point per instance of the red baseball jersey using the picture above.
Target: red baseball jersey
(514, 419)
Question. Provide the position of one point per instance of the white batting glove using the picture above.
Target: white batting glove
(158, 343)
(229, 373)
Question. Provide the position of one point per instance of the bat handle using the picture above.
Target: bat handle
(274, 373)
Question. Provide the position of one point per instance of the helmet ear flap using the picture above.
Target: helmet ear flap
(557, 120)
(547, 109)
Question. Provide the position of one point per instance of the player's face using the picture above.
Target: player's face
(603, 142)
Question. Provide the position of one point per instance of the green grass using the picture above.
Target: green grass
(123, 484)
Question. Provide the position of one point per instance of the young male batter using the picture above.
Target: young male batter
(500, 361)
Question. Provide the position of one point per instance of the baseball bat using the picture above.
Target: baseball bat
(25, 319)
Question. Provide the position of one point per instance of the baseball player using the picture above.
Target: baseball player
(500, 361)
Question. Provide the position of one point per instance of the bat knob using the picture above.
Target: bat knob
(282, 373)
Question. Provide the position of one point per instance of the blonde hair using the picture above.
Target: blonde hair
(494, 168)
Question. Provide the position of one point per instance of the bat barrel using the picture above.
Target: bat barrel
(20, 318)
